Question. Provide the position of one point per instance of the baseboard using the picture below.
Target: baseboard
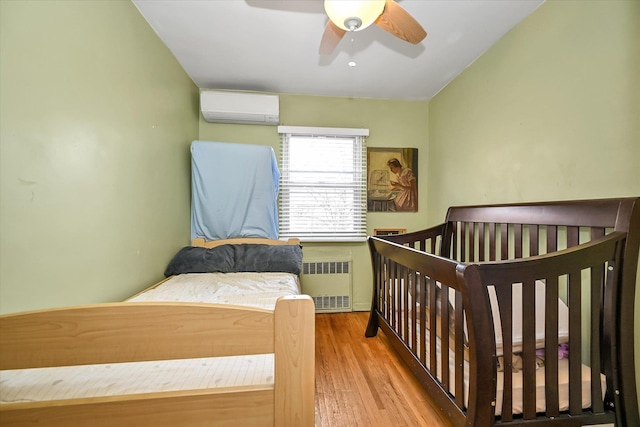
(361, 306)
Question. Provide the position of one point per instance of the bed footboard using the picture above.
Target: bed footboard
(136, 332)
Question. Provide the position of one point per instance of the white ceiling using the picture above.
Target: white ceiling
(272, 45)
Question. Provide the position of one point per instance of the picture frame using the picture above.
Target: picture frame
(392, 179)
(388, 231)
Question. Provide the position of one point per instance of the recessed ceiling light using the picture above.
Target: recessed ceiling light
(352, 63)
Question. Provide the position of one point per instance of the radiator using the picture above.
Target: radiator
(329, 283)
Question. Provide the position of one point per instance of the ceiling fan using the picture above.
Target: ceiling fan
(356, 15)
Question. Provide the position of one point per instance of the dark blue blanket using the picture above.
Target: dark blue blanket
(237, 258)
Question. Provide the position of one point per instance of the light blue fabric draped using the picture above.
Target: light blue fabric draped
(234, 190)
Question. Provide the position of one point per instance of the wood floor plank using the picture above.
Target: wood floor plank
(362, 382)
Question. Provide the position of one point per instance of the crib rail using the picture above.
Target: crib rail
(584, 277)
(412, 300)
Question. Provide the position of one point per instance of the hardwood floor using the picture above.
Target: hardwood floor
(362, 382)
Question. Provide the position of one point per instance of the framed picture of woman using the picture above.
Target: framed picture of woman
(392, 182)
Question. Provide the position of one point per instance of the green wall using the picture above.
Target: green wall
(552, 111)
(96, 118)
(391, 123)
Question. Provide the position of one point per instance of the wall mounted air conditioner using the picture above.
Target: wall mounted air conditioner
(240, 107)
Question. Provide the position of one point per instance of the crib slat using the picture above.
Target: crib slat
(463, 242)
(393, 283)
(379, 282)
(534, 240)
(597, 281)
(504, 242)
(482, 230)
(492, 242)
(597, 292)
(551, 347)
(517, 238)
(432, 325)
(573, 236)
(423, 319)
(405, 289)
(552, 238)
(455, 239)
(387, 290)
(459, 355)
(529, 350)
(575, 347)
(384, 283)
(472, 242)
(504, 295)
(414, 309)
(384, 296)
(444, 335)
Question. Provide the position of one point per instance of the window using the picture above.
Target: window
(323, 194)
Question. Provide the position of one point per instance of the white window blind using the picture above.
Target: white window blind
(323, 194)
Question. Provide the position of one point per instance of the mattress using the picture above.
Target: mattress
(116, 379)
(260, 290)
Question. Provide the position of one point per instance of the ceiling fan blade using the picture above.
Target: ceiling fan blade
(331, 37)
(398, 22)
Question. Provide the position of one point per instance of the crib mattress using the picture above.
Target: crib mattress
(518, 385)
(563, 388)
(260, 290)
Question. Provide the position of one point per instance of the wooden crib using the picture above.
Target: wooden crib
(484, 306)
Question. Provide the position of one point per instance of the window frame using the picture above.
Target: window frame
(358, 232)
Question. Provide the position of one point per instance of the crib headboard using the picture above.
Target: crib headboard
(559, 224)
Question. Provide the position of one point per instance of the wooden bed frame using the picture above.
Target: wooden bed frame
(201, 242)
(586, 252)
(130, 332)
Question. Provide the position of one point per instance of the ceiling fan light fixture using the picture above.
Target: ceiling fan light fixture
(353, 15)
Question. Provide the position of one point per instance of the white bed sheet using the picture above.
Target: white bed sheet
(116, 379)
(260, 290)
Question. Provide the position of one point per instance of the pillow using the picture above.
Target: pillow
(237, 258)
(268, 258)
(194, 259)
